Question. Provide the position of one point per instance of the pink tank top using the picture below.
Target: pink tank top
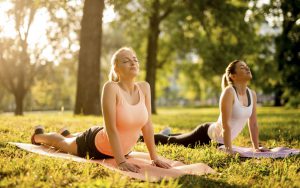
(130, 119)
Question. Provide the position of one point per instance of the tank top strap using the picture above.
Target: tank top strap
(250, 96)
(235, 93)
(141, 94)
(120, 95)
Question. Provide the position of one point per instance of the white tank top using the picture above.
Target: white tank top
(240, 115)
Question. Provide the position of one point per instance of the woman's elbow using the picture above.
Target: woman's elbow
(111, 130)
(226, 127)
(253, 126)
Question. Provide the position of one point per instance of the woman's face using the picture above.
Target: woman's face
(127, 64)
(242, 72)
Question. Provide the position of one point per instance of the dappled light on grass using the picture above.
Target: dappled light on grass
(20, 168)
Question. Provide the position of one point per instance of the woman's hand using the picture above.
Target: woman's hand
(231, 152)
(261, 149)
(129, 167)
(160, 163)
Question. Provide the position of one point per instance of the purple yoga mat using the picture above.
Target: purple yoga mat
(278, 152)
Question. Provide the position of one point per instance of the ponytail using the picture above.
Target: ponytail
(230, 69)
(113, 75)
(224, 81)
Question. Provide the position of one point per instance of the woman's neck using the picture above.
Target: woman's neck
(127, 85)
(241, 88)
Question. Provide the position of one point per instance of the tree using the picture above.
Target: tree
(223, 35)
(214, 33)
(158, 12)
(199, 38)
(288, 48)
(21, 61)
(144, 19)
(17, 71)
(88, 80)
(282, 15)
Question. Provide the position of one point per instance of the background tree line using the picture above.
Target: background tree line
(183, 46)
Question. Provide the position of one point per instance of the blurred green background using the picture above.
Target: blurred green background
(55, 55)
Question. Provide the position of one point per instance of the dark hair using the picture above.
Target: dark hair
(230, 69)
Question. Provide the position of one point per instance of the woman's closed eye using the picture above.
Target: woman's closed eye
(127, 61)
(245, 68)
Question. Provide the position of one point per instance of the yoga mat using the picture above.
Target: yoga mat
(147, 171)
(278, 152)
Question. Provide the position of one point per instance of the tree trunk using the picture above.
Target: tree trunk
(152, 47)
(20, 90)
(19, 97)
(278, 94)
(88, 78)
(283, 45)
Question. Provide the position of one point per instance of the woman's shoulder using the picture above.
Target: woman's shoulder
(144, 86)
(110, 86)
(229, 90)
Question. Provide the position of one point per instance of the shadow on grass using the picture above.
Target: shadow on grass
(202, 181)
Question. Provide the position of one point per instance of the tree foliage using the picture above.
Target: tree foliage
(17, 67)
(20, 61)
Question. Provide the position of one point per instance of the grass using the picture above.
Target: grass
(278, 127)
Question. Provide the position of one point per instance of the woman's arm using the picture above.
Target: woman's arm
(147, 130)
(252, 124)
(108, 102)
(226, 103)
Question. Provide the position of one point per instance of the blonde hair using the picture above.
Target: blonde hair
(230, 69)
(112, 74)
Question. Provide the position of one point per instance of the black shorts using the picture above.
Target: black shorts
(86, 147)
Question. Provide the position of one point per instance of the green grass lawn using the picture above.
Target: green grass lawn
(278, 127)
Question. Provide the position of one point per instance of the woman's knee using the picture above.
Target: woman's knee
(52, 139)
(172, 140)
(68, 145)
(161, 139)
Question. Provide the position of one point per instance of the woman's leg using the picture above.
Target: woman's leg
(198, 136)
(71, 135)
(66, 133)
(56, 140)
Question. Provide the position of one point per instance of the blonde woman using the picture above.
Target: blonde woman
(126, 107)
